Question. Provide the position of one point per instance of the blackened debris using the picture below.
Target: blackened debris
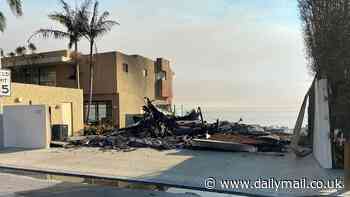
(163, 132)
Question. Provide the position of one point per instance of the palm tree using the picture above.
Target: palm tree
(71, 20)
(95, 26)
(21, 50)
(32, 47)
(16, 8)
(12, 54)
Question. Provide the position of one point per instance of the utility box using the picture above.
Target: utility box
(59, 132)
(26, 126)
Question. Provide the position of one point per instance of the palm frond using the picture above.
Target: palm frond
(99, 25)
(48, 33)
(82, 18)
(94, 15)
(85, 6)
(62, 18)
(16, 7)
(103, 19)
(67, 8)
(105, 27)
(74, 20)
(107, 24)
(104, 16)
(2, 22)
(83, 14)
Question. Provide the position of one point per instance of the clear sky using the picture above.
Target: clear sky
(247, 53)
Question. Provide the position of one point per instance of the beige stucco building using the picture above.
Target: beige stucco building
(65, 104)
(121, 81)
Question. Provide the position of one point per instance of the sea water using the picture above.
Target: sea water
(264, 116)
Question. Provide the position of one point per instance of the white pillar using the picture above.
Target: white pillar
(322, 142)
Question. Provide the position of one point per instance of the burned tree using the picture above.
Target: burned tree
(326, 26)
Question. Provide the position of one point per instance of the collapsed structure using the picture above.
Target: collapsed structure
(121, 82)
(160, 131)
(325, 144)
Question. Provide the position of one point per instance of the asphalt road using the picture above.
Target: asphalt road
(22, 186)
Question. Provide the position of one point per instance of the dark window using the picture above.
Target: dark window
(92, 115)
(125, 67)
(100, 111)
(34, 76)
(39, 75)
(47, 76)
(18, 75)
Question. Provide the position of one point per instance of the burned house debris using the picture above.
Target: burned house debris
(163, 132)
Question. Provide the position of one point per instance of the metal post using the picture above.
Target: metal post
(1, 56)
(182, 110)
(347, 165)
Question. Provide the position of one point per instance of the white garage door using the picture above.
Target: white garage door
(26, 126)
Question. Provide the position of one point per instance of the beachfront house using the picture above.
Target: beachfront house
(121, 81)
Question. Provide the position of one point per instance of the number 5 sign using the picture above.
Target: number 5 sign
(5, 82)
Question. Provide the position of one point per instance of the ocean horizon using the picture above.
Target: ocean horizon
(264, 116)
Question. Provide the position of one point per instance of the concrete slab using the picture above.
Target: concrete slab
(178, 167)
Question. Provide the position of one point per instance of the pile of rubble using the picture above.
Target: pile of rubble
(163, 132)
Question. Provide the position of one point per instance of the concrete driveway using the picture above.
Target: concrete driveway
(178, 167)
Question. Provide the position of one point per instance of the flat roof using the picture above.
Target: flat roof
(52, 57)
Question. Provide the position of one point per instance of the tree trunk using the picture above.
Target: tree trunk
(77, 66)
(91, 80)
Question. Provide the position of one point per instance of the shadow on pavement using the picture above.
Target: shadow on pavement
(77, 190)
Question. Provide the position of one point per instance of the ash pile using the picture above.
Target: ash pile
(164, 132)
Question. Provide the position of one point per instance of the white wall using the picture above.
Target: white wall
(26, 126)
(322, 142)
